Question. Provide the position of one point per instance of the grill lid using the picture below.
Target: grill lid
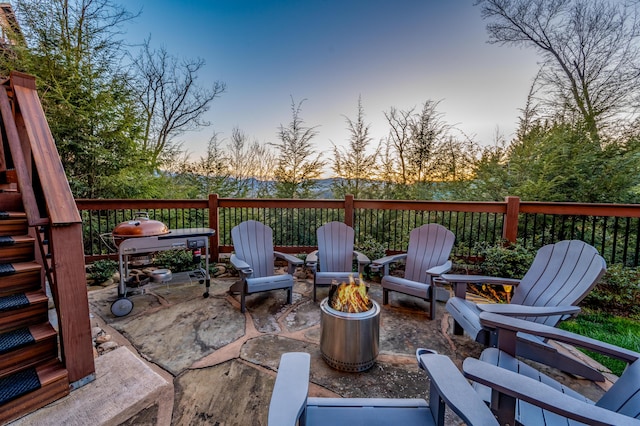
(140, 226)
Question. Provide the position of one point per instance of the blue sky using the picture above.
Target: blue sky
(397, 53)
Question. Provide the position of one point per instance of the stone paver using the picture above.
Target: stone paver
(224, 362)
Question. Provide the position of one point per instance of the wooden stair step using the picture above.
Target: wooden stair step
(25, 392)
(8, 187)
(19, 277)
(13, 223)
(17, 248)
(9, 176)
(26, 347)
(11, 201)
(23, 310)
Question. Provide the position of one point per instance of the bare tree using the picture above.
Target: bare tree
(416, 139)
(172, 101)
(354, 167)
(400, 138)
(590, 51)
(209, 174)
(427, 132)
(298, 166)
(251, 165)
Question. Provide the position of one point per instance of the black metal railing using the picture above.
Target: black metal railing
(613, 229)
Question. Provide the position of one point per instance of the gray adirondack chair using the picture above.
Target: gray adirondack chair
(535, 398)
(560, 276)
(254, 258)
(335, 255)
(427, 257)
(290, 404)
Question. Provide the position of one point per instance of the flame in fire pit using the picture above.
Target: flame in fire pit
(350, 297)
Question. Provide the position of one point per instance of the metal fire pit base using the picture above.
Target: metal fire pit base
(349, 342)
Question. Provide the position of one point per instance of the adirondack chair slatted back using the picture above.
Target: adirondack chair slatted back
(253, 243)
(561, 275)
(335, 247)
(624, 396)
(429, 245)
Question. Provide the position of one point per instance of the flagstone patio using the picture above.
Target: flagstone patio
(221, 364)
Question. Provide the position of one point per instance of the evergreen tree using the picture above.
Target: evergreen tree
(297, 166)
(354, 168)
(73, 50)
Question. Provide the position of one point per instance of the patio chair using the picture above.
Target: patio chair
(254, 258)
(290, 403)
(533, 396)
(560, 276)
(427, 257)
(333, 261)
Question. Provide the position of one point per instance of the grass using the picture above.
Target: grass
(619, 331)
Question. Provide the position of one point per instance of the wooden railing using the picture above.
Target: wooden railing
(613, 228)
(52, 217)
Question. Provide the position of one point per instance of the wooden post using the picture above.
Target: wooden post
(214, 241)
(72, 304)
(510, 225)
(348, 210)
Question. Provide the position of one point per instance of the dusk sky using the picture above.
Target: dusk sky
(391, 53)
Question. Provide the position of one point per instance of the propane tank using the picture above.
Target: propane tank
(197, 256)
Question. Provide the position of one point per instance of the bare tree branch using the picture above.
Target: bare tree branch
(590, 50)
(172, 101)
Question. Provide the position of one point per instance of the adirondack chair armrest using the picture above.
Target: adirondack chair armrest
(240, 265)
(440, 269)
(459, 282)
(515, 325)
(289, 397)
(312, 260)
(292, 261)
(449, 386)
(511, 309)
(384, 262)
(362, 258)
(289, 258)
(479, 279)
(526, 389)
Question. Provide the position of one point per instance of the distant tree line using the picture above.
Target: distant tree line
(117, 113)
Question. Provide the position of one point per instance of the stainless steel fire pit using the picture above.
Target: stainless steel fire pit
(349, 342)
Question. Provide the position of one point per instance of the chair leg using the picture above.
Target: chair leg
(432, 303)
(385, 296)
(290, 295)
(242, 301)
(457, 328)
(314, 292)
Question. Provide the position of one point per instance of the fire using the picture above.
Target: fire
(349, 297)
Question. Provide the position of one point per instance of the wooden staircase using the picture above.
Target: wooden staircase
(40, 236)
(31, 373)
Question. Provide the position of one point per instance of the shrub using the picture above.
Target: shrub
(617, 292)
(499, 260)
(371, 248)
(102, 270)
(175, 260)
(505, 260)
